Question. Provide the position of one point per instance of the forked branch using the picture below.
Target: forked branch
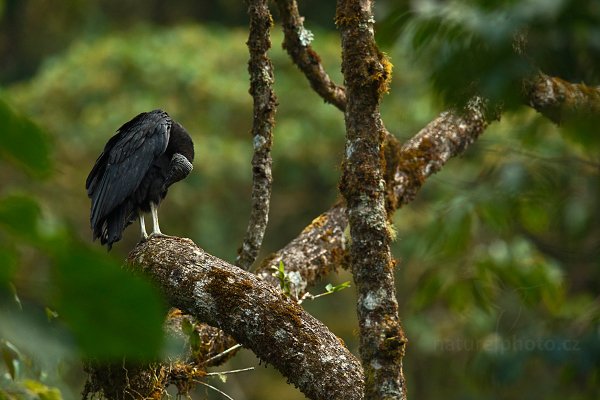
(321, 246)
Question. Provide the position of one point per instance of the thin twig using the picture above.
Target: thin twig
(229, 350)
(234, 371)
(215, 389)
(265, 104)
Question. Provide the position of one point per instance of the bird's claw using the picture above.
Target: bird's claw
(159, 235)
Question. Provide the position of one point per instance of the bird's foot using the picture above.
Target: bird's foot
(159, 235)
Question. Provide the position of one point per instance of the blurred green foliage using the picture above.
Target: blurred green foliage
(60, 23)
(108, 312)
(503, 275)
(123, 318)
(24, 142)
(500, 253)
(482, 47)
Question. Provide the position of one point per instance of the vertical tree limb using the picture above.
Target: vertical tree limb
(366, 74)
(265, 104)
(321, 246)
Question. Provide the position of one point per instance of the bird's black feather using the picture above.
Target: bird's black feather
(133, 172)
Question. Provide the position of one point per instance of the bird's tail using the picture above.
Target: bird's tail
(110, 230)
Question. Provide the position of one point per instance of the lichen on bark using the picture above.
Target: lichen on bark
(303, 55)
(366, 74)
(255, 313)
(562, 101)
(265, 105)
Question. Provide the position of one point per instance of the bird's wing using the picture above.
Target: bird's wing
(126, 159)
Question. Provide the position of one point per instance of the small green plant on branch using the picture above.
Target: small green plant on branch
(286, 285)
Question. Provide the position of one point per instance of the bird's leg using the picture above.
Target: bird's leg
(155, 227)
(143, 232)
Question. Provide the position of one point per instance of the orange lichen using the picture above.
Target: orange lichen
(383, 75)
(316, 223)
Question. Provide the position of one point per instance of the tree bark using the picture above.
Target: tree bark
(297, 44)
(319, 249)
(366, 74)
(321, 246)
(265, 104)
(561, 101)
(256, 314)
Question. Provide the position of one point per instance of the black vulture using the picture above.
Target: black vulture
(131, 177)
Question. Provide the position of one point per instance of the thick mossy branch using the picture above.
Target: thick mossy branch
(367, 73)
(447, 136)
(320, 247)
(561, 101)
(255, 313)
(297, 44)
(265, 105)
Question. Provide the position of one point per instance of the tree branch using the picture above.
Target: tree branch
(318, 249)
(366, 74)
(255, 313)
(560, 100)
(447, 136)
(265, 104)
(135, 380)
(321, 246)
(297, 44)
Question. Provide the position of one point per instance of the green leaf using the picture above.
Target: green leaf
(11, 357)
(390, 27)
(332, 289)
(24, 143)
(195, 342)
(431, 287)
(42, 391)
(187, 327)
(111, 312)
(8, 266)
(50, 313)
(465, 57)
(281, 275)
(20, 214)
